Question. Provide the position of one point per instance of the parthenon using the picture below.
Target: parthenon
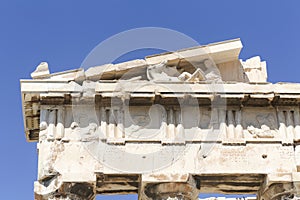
(169, 126)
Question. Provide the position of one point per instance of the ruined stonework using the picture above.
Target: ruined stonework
(170, 126)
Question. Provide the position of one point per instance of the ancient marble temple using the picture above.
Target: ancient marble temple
(169, 126)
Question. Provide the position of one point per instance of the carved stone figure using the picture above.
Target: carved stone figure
(162, 72)
(263, 132)
(198, 75)
(267, 120)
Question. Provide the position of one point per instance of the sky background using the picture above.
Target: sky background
(64, 32)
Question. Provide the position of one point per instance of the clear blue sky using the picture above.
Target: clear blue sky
(64, 32)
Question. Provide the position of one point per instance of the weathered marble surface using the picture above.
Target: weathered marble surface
(169, 126)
